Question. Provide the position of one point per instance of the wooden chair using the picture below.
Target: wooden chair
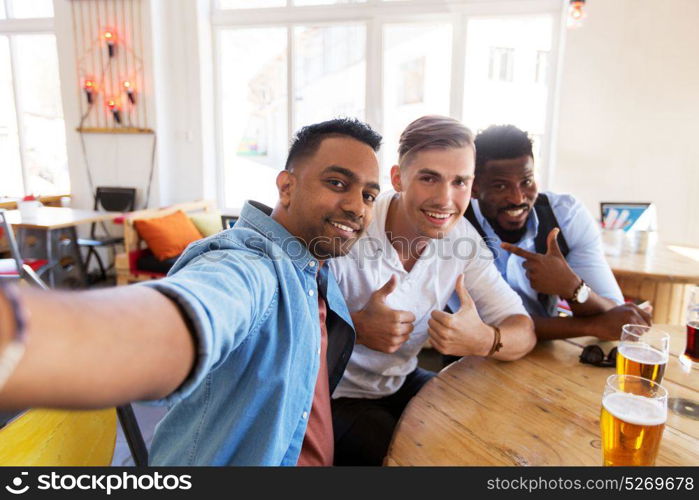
(111, 199)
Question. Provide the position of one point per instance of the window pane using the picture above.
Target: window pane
(329, 58)
(416, 78)
(325, 2)
(10, 165)
(506, 64)
(32, 8)
(41, 119)
(254, 114)
(250, 4)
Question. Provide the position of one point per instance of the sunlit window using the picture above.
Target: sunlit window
(254, 112)
(416, 79)
(506, 74)
(387, 62)
(32, 130)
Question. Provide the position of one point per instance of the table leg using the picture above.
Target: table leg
(60, 248)
(64, 249)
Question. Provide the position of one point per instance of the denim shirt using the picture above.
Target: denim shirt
(250, 297)
(586, 257)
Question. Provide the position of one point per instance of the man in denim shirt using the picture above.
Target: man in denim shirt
(231, 339)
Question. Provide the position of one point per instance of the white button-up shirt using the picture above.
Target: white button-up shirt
(427, 287)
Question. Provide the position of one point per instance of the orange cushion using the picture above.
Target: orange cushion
(167, 236)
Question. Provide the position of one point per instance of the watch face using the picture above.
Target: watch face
(583, 294)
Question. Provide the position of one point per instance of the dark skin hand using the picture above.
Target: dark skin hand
(550, 274)
(605, 326)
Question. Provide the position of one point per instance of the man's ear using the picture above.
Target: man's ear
(286, 183)
(474, 189)
(395, 178)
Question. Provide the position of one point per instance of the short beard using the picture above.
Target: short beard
(508, 235)
(324, 247)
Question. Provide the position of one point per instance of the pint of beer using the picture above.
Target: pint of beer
(643, 351)
(690, 357)
(634, 411)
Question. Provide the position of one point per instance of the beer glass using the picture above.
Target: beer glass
(691, 351)
(643, 351)
(632, 421)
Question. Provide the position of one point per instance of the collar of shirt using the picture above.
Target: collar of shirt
(530, 233)
(257, 217)
(377, 238)
(502, 256)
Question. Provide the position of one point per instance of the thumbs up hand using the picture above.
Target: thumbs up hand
(462, 333)
(548, 273)
(378, 326)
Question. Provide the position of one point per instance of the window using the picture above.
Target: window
(32, 131)
(257, 108)
(416, 77)
(250, 4)
(22, 9)
(328, 58)
(542, 66)
(507, 50)
(501, 64)
(383, 61)
(254, 112)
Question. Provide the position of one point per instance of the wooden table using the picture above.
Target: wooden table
(51, 235)
(662, 276)
(48, 201)
(541, 410)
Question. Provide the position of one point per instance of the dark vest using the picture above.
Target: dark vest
(547, 221)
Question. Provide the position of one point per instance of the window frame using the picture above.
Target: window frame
(11, 27)
(376, 14)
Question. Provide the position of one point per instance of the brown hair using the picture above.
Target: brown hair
(432, 132)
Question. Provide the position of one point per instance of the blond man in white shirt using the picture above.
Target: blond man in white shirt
(418, 253)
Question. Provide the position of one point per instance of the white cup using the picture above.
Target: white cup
(29, 209)
(613, 241)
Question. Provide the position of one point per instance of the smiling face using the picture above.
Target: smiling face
(506, 192)
(435, 188)
(328, 197)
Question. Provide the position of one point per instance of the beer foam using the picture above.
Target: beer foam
(634, 409)
(642, 353)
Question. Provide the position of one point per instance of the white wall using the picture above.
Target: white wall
(114, 159)
(629, 111)
(180, 110)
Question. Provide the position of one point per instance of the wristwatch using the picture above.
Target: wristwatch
(581, 294)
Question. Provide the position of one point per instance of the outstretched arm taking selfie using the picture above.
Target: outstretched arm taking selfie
(141, 342)
(97, 348)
